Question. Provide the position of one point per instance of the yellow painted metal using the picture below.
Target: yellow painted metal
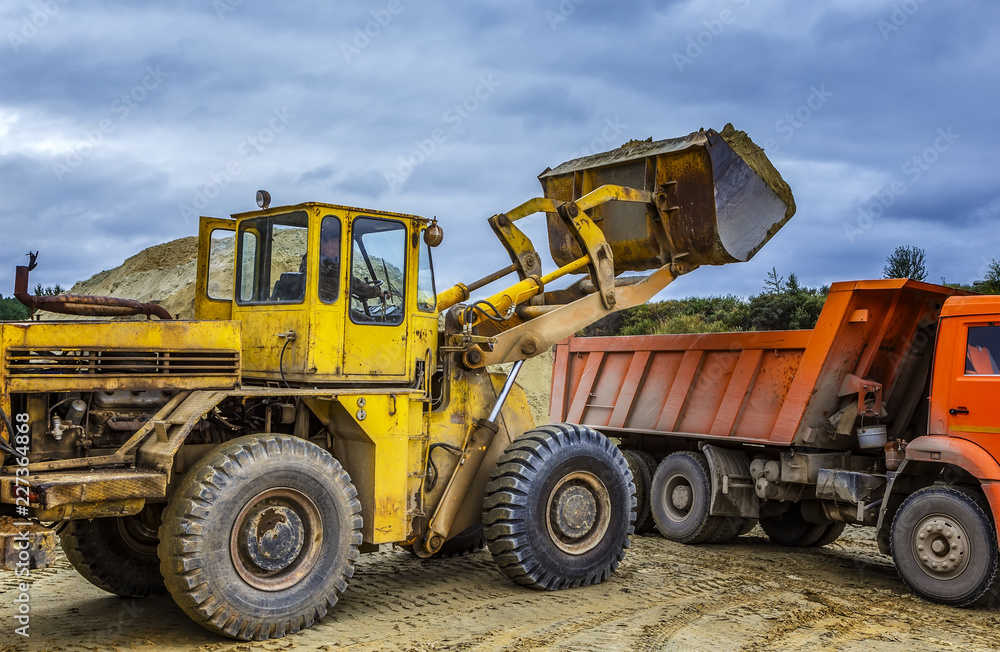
(86, 362)
(452, 296)
(371, 438)
(522, 291)
(612, 193)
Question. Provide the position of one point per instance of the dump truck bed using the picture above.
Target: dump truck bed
(768, 387)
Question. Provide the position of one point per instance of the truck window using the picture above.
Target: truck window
(329, 259)
(377, 262)
(272, 259)
(983, 352)
(426, 296)
(220, 260)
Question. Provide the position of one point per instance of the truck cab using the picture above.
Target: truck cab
(325, 293)
(965, 390)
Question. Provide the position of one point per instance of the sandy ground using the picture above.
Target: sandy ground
(747, 595)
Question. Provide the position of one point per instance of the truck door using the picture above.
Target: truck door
(213, 297)
(375, 339)
(973, 405)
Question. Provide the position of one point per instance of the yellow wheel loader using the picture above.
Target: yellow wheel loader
(327, 398)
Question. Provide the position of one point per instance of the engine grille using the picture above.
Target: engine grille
(22, 363)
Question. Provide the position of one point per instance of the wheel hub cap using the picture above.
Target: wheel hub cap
(681, 497)
(273, 537)
(575, 511)
(578, 512)
(941, 545)
(276, 539)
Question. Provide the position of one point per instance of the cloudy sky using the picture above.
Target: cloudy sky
(120, 122)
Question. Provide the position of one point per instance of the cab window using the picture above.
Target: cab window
(378, 261)
(426, 296)
(983, 352)
(272, 259)
(329, 259)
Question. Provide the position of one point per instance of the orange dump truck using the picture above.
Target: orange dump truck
(886, 414)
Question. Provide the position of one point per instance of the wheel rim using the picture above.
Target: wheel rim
(139, 532)
(941, 546)
(578, 512)
(276, 539)
(678, 498)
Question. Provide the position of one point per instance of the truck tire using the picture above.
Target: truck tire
(791, 529)
(748, 525)
(559, 508)
(117, 555)
(830, 534)
(642, 465)
(944, 545)
(260, 538)
(681, 497)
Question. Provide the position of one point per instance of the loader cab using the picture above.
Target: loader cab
(325, 294)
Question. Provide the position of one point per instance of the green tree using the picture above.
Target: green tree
(48, 291)
(12, 310)
(906, 262)
(991, 282)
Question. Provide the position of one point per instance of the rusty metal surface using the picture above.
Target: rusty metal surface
(78, 304)
(87, 485)
(715, 203)
(25, 545)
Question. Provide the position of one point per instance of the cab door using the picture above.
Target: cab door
(375, 342)
(213, 297)
(967, 391)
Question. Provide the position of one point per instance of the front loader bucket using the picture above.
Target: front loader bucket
(721, 201)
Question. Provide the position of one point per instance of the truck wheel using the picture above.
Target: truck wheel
(117, 554)
(944, 544)
(728, 529)
(791, 529)
(260, 537)
(559, 508)
(681, 497)
(830, 534)
(748, 525)
(642, 465)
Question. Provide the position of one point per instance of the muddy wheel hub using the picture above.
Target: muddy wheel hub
(578, 512)
(679, 497)
(276, 539)
(574, 511)
(272, 537)
(941, 545)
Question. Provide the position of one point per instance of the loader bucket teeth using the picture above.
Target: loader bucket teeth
(717, 198)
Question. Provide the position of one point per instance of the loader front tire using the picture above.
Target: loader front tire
(559, 508)
(117, 554)
(260, 538)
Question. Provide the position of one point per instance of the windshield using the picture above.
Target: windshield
(377, 263)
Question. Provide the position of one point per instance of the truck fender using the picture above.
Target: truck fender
(733, 492)
(926, 457)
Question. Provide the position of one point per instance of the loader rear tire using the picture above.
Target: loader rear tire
(559, 508)
(117, 555)
(944, 545)
(643, 466)
(791, 529)
(260, 538)
(681, 496)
